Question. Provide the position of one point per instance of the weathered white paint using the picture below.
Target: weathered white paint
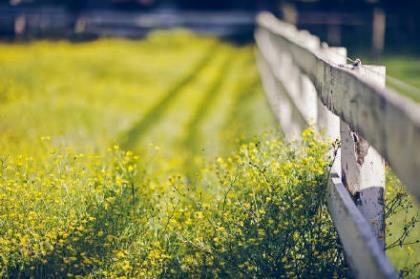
(366, 258)
(290, 119)
(328, 123)
(363, 169)
(387, 120)
(308, 99)
(363, 174)
(300, 90)
(280, 94)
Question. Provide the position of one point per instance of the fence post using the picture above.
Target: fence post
(290, 14)
(276, 94)
(363, 169)
(328, 123)
(307, 92)
(378, 31)
(20, 25)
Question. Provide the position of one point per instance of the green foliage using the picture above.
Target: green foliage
(264, 217)
(402, 217)
(258, 213)
(67, 214)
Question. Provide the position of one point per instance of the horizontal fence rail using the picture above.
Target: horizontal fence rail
(309, 83)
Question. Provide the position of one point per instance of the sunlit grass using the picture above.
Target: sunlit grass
(405, 69)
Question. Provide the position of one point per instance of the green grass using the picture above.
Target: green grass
(404, 68)
(405, 257)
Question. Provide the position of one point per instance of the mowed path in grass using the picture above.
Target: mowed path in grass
(193, 97)
(197, 123)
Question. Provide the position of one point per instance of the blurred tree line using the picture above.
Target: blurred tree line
(76, 5)
(352, 19)
(400, 5)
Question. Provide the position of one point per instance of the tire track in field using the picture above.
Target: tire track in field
(243, 118)
(139, 129)
(247, 91)
(192, 140)
(240, 120)
(234, 122)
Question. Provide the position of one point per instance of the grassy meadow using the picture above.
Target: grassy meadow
(157, 158)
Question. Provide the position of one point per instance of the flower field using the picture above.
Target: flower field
(154, 159)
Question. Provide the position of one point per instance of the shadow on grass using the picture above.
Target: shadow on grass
(247, 92)
(192, 139)
(139, 129)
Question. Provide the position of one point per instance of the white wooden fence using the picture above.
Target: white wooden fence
(309, 83)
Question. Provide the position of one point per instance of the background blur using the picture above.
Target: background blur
(370, 26)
